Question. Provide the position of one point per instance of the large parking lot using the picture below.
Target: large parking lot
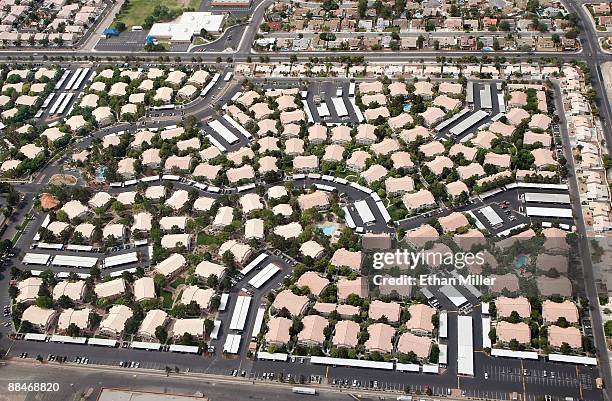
(126, 41)
(348, 378)
(563, 378)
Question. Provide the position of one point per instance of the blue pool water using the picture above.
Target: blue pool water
(328, 230)
(101, 173)
(407, 107)
(521, 261)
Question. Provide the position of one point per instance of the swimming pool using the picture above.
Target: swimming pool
(101, 174)
(328, 230)
(521, 261)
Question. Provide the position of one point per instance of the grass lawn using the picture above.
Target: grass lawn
(136, 11)
(229, 22)
(177, 282)
(396, 213)
(167, 299)
(206, 239)
(20, 229)
(199, 41)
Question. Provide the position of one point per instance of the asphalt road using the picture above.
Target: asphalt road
(594, 57)
(78, 380)
(585, 256)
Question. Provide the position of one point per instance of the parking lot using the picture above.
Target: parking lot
(475, 106)
(320, 92)
(488, 394)
(323, 92)
(114, 356)
(238, 12)
(506, 206)
(126, 41)
(354, 378)
(564, 378)
(389, 386)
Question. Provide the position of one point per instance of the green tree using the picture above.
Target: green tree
(504, 26)
(565, 349)
(73, 330)
(608, 328)
(65, 302)
(493, 335)
(420, 41)
(44, 302)
(26, 327)
(209, 325)
(514, 317)
(161, 334)
(159, 281)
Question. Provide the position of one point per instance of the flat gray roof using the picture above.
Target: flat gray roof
(469, 122)
(491, 215)
(465, 346)
(453, 295)
(485, 97)
(364, 211)
(546, 198)
(549, 212)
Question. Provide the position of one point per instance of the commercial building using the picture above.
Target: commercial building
(186, 26)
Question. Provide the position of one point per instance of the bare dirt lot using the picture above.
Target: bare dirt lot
(63, 179)
(606, 70)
